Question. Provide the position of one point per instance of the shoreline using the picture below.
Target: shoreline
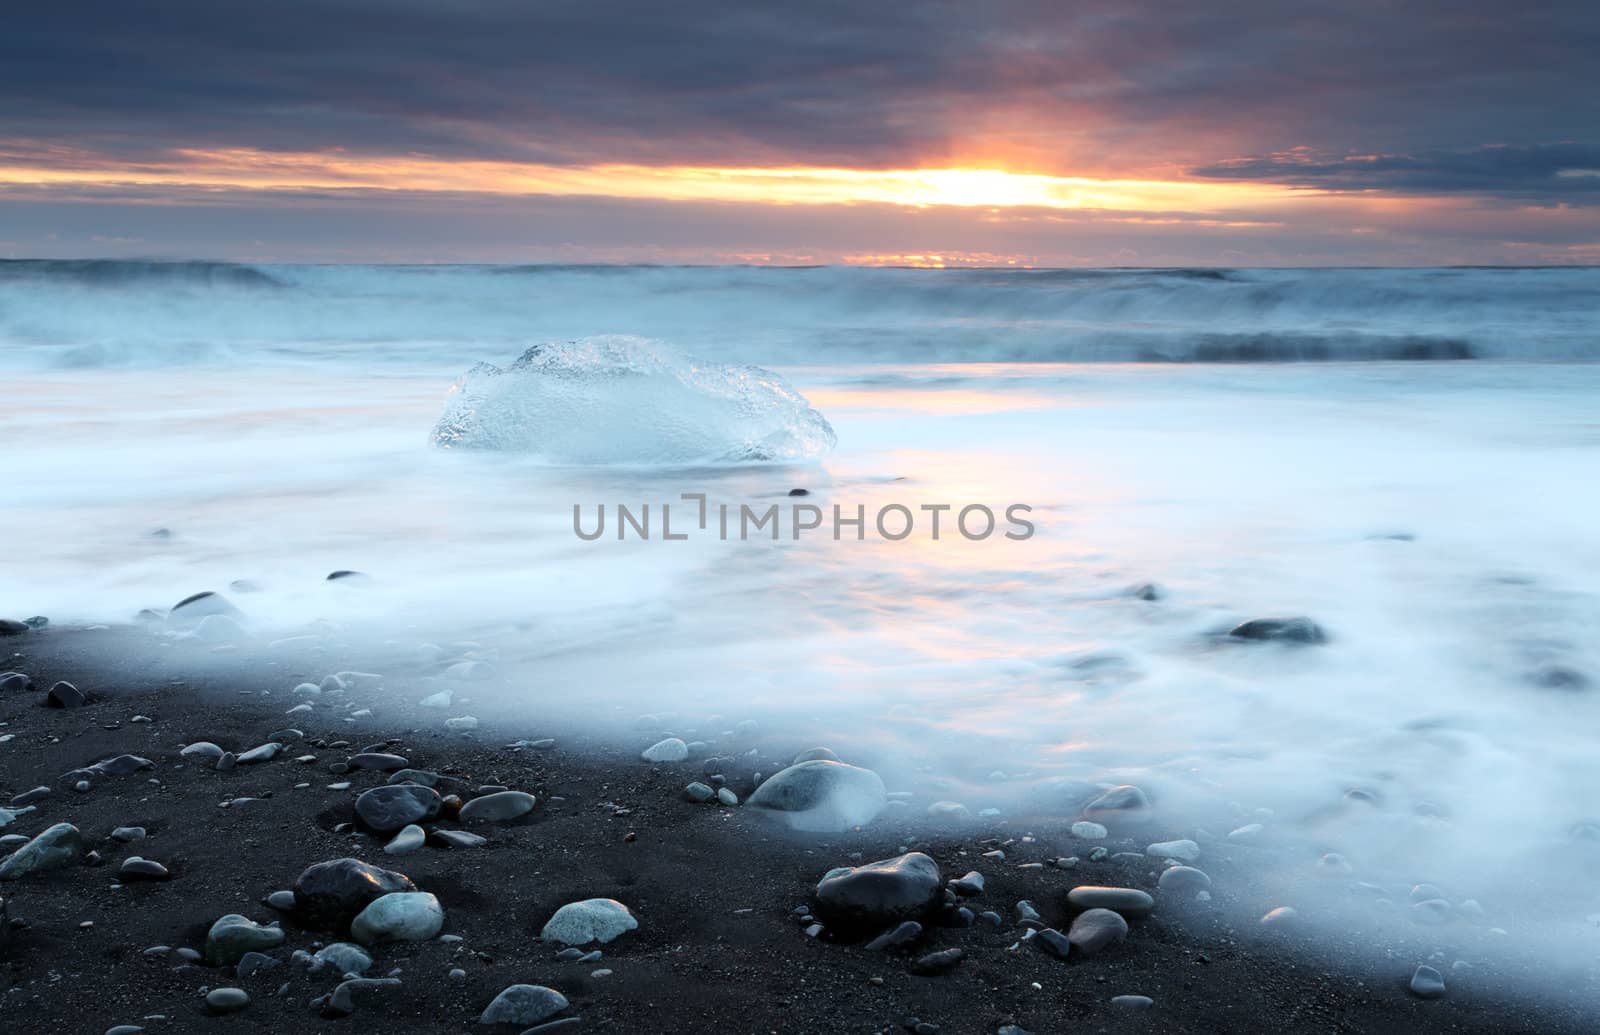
(714, 889)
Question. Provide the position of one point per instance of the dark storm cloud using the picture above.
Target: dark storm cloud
(1093, 87)
(1560, 172)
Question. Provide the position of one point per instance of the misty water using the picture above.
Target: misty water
(1433, 514)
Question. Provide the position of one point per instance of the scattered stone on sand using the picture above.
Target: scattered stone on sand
(1118, 802)
(1053, 942)
(456, 838)
(1183, 880)
(1433, 911)
(592, 920)
(1127, 901)
(1096, 929)
(1427, 983)
(252, 963)
(498, 807)
(379, 760)
(461, 723)
(281, 900)
(30, 796)
(934, 963)
(1182, 850)
(524, 1004)
(699, 793)
(408, 840)
(65, 695)
(816, 754)
(1298, 630)
(262, 753)
(1283, 916)
(903, 933)
(128, 834)
(405, 916)
(14, 682)
(136, 868)
(948, 811)
(726, 797)
(200, 605)
(968, 885)
(57, 847)
(202, 751)
(670, 750)
(442, 699)
(12, 627)
(391, 807)
(343, 958)
(1334, 865)
(233, 935)
(343, 1000)
(1088, 831)
(227, 1000)
(332, 893)
(1132, 1002)
(821, 796)
(474, 670)
(869, 897)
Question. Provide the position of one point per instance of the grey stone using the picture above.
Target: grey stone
(821, 796)
(906, 887)
(699, 793)
(227, 1000)
(233, 935)
(252, 963)
(389, 808)
(379, 760)
(816, 754)
(968, 885)
(670, 750)
(1127, 901)
(497, 808)
(524, 1004)
(30, 796)
(202, 751)
(57, 847)
(456, 838)
(127, 834)
(65, 695)
(1183, 851)
(1117, 802)
(1427, 983)
(1132, 1002)
(900, 934)
(1052, 941)
(342, 1001)
(262, 753)
(1183, 880)
(941, 962)
(408, 840)
(410, 916)
(332, 893)
(1096, 929)
(592, 920)
(343, 958)
(1298, 630)
(11, 682)
(135, 868)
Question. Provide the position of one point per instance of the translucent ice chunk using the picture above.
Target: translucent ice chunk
(625, 400)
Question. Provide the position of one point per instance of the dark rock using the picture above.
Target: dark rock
(29, 797)
(456, 838)
(345, 575)
(122, 765)
(378, 760)
(941, 962)
(524, 1004)
(907, 887)
(65, 695)
(1096, 929)
(1147, 591)
(36, 622)
(393, 807)
(1052, 941)
(254, 963)
(799, 492)
(342, 1002)
(135, 868)
(969, 885)
(57, 847)
(1127, 901)
(332, 893)
(14, 681)
(1279, 630)
(1560, 677)
(901, 934)
(1117, 803)
(9, 627)
(202, 605)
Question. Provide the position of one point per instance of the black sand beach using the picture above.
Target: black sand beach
(719, 945)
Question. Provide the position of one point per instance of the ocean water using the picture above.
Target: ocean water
(1410, 458)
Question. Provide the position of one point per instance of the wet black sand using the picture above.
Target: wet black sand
(717, 948)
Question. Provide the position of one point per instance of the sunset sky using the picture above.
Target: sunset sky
(1105, 132)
